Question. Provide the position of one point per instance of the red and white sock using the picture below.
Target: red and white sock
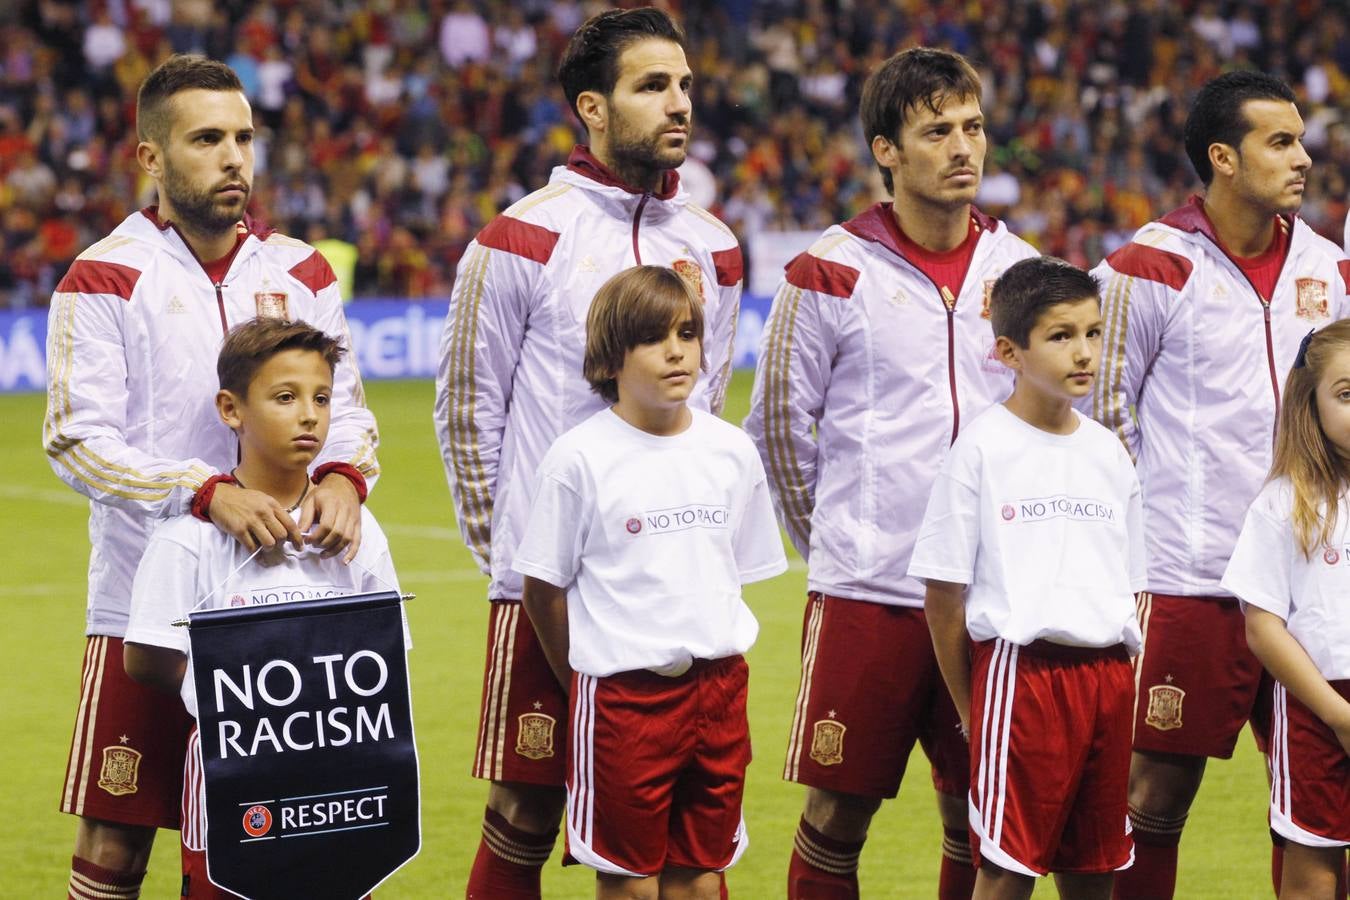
(89, 881)
(509, 861)
(822, 868)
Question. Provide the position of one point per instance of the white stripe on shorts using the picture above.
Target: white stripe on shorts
(810, 646)
(1000, 688)
(581, 785)
(194, 796)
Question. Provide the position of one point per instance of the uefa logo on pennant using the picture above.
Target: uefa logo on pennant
(257, 821)
(634, 525)
(1008, 512)
(1330, 556)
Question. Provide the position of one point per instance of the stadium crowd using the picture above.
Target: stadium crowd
(390, 131)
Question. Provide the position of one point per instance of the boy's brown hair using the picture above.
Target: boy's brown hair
(637, 306)
(180, 72)
(249, 346)
(1031, 286)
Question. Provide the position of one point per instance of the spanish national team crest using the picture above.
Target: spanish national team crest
(121, 769)
(271, 305)
(827, 743)
(1312, 299)
(692, 275)
(535, 740)
(1164, 707)
(988, 295)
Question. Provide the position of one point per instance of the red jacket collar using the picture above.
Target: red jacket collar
(1191, 218)
(259, 229)
(877, 224)
(583, 162)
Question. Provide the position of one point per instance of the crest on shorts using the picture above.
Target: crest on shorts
(1312, 298)
(535, 738)
(121, 768)
(692, 275)
(1164, 707)
(988, 295)
(827, 742)
(271, 305)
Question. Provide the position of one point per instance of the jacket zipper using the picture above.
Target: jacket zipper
(1265, 312)
(637, 218)
(220, 304)
(949, 301)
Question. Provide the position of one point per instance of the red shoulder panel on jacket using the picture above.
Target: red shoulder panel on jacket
(314, 272)
(92, 276)
(1344, 266)
(811, 273)
(1152, 264)
(730, 266)
(520, 238)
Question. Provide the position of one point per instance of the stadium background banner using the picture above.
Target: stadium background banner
(393, 339)
(307, 745)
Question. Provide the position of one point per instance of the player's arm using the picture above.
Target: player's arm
(88, 406)
(346, 467)
(720, 343)
(157, 667)
(1286, 660)
(546, 605)
(944, 605)
(791, 378)
(1139, 284)
(479, 349)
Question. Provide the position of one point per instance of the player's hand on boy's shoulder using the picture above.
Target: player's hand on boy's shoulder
(333, 509)
(253, 518)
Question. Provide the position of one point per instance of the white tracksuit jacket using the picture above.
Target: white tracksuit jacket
(864, 378)
(511, 354)
(1200, 359)
(134, 330)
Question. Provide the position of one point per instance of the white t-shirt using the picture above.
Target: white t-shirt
(652, 537)
(187, 559)
(1268, 570)
(1045, 528)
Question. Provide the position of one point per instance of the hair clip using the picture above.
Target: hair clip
(1301, 359)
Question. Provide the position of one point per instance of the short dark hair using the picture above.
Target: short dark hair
(591, 60)
(1216, 116)
(249, 346)
(1023, 293)
(635, 307)
(180, 72)
(919, 75)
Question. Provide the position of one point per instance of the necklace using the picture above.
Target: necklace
(301, 499)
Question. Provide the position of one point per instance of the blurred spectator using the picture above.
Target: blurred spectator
(398, 128)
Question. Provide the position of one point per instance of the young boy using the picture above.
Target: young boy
(276, 385)
(647, 519)
(1032, 544)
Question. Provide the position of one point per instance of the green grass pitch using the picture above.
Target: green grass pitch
(42, 565)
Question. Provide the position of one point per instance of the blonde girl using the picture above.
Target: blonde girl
(1291, 569)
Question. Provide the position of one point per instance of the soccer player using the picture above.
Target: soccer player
(510, 379)
(1032, 548)
(877, 349)
(276, 392)
(646, 520)
(133, 328)
(1204, 310)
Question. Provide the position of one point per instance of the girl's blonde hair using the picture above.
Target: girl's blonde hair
(1303, 454)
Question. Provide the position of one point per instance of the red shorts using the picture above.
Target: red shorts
(126, 754)
(1310, 774)
(1196, 682)
(522, 726)
(656, 769)
(1050, 760)
(870, 688)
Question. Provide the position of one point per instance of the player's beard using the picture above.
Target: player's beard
(639, 157)
(201, 212)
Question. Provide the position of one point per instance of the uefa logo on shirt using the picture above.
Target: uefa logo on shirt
(634, 525)
(1330, 556)
(1008, 512)
(257, 821)
(238, 600)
